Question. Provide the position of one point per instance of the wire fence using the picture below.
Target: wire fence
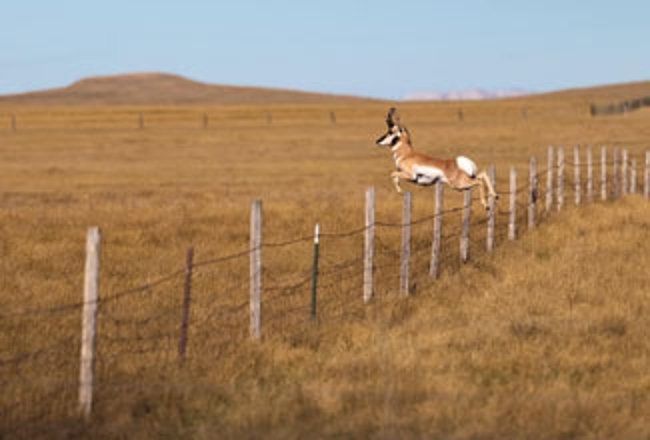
(144, 329)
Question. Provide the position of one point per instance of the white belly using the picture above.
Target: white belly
(424, 175)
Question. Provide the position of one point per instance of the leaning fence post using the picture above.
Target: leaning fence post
(615, 177)
(549, 180)
(624, 171)
(256, 270)
(532, 194)
(406, 244)
(590, 175)
(560, 178)
(185, 314)
(434, 268)
(633, 176)
(603, 173)
(89, 321)
(369, 247)
(464, 235)
(491, 223)
(512, 220)
(576, 174)
(646, 177)
(314, 273)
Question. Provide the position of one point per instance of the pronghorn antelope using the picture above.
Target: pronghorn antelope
(460, 174)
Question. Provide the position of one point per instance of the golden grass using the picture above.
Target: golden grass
(546, 338)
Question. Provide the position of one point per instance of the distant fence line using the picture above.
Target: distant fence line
(620, 107)
(26, 120)
(540, 202)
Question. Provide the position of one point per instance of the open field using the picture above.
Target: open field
(544, 339)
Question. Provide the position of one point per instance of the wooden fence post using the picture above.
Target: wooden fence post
(369, 248)
(256, 270)
(646, 177)
(464, 234)
(603, 173)
(333, 118)
(560, 178)
(269, 118)
(549, 180)
(590, 175)
(206, 121)
(491, 223)
(89, 321)
(512, 220)
(624, 171)
(141, 121)
(185, 314)
(577, 190)
(434, 268)
(615, 178)
(406, 244)
(633, 176)
(532, 193)
(314, 273)
(14, 124)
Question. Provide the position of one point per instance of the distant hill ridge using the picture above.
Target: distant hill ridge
(162, 89)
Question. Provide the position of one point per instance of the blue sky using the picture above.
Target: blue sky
(375, 48)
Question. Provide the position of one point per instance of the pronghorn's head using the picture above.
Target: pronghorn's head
(396, 132)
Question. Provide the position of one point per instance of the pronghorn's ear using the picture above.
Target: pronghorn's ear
(392, 119)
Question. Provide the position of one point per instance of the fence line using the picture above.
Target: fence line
(285, 306)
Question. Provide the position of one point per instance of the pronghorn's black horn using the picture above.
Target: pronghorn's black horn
(392, 118)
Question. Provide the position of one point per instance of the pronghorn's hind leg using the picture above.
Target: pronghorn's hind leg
(488, 184)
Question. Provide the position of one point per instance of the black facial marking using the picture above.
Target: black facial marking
(395, 141)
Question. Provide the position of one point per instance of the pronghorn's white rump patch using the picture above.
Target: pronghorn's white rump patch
(467, 165)
(424, 175)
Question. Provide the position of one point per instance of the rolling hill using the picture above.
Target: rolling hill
(162, 89)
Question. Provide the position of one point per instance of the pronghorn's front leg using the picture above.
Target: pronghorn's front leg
(396, 176)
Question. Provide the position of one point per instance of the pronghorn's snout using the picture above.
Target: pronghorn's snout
(391, 138)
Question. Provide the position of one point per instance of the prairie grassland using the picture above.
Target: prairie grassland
(546, 338)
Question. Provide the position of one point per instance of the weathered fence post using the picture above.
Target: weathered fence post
(603, 173)
(512, 220)
(532, 193)
(646, 177)
(624, 171)
(491, 223)
(256, 270)
(633, 176)
(141, 121)
(89, 321)
(549, 180)
(206, 121)
(577, 190)
(406, 244)
(333, 118)
(314, 273)
(615, 178)
(14, 124)
(560, 178)
(369, 248)
(185, 314)
(464, 234)
(434, 268)
(590, 175)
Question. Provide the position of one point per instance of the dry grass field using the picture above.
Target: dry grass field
(545, 338)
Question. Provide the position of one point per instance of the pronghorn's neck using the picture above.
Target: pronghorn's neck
(401, 151)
